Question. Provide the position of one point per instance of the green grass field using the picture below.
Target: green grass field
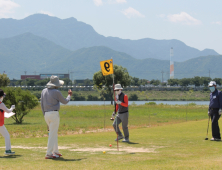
(160, 136)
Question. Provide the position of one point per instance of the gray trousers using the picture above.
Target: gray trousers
(124, 119)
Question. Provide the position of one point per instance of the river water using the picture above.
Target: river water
(138, 102)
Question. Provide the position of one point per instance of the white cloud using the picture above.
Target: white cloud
(7, 7)
(132, 13)
(121, 1)
(183, 18)
(217, 22)
(161, 15)
(98, 2)
(46, 12)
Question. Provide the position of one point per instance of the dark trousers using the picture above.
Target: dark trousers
(215, 127)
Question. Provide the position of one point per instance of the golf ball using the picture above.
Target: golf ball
(104, 152)
(110, 145)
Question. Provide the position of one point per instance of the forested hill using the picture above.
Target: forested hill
(73, 35)
(34, 54)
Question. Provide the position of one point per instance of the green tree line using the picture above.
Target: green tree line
(197, 81)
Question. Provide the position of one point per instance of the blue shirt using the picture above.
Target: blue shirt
(215, 99)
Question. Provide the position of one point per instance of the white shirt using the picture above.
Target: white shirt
(3, 107)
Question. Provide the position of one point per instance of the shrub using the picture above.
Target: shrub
(133, 104)
(104, 95)
(150, 103)
(77, 97)
(37, 94)
(191, 104)
(23, 100)
(92, 98)
(206, 89)
(133, 97)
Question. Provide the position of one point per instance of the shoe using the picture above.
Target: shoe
(215, 139)
(56, 156)
(125, 140)
(119, 138)
(50, 157)
(9, 152)
(59, 154)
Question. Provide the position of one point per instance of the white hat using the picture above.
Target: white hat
(55, 82)
(118, 87)
(212, 83)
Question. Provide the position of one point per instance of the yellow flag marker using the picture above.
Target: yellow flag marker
(107, 67)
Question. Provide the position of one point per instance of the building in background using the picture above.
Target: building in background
(60, 76)
(44, 76)
(23, 77)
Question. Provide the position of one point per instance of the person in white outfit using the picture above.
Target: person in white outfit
(50, 104)
(3, 129)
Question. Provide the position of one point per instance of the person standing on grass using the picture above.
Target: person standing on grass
(3, 130)
(121, 100)
(214, 110)
(50, 104)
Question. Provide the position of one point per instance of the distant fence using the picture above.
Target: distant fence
(128, 88)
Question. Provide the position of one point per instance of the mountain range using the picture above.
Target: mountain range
(31, 53)
(74, 35)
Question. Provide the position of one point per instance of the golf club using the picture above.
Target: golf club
(207, 128)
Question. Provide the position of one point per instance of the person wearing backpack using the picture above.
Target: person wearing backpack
(3, 129)
(214, 110)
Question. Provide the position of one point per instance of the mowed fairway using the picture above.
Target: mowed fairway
(177, 145)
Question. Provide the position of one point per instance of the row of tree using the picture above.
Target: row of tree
(133, 81)
(196, 81)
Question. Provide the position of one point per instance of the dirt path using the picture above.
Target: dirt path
(110, 150)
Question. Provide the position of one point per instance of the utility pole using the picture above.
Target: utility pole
(71, 72)
(25, 78)
(209, 73)
(162, 75)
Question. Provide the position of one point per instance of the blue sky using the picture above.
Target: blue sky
(198, 23)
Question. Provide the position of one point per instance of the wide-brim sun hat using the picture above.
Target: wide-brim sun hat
(118, 87)
(212, 83)
(55, 82)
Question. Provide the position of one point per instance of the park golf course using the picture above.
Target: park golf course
(162, 137)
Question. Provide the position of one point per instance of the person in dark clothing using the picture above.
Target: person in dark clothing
(214, 110)
(121, 100)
